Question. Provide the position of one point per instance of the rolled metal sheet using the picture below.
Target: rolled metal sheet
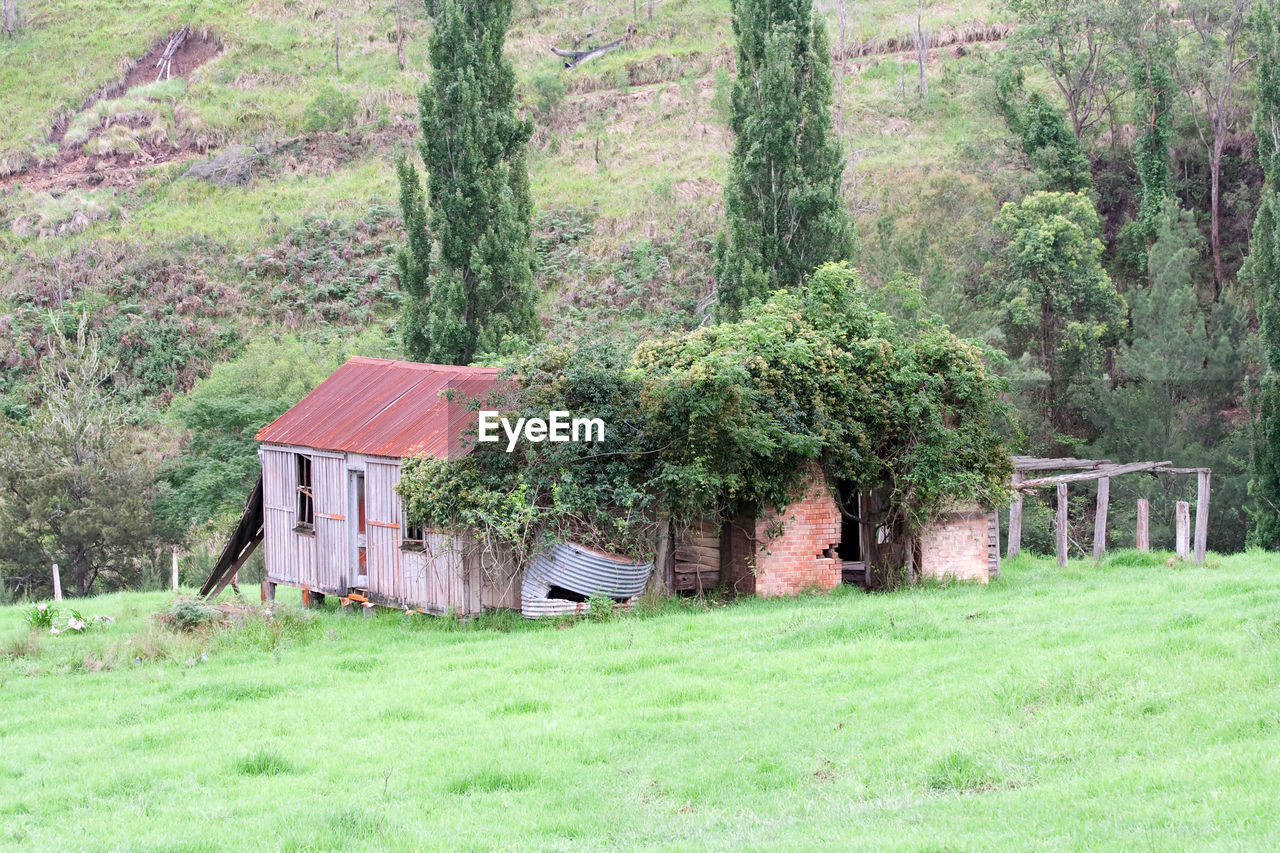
(580, 571)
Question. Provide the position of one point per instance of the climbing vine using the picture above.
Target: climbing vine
(732, 417)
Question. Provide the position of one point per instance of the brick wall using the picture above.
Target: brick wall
(956, 546)
(796, 557)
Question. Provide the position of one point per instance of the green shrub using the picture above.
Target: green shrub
(331, 109)
(600, 607)
(188, 614)
(548, 93)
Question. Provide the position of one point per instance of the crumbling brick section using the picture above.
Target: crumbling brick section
(956, 546)
(796, 549)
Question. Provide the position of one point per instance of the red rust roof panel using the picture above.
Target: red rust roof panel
(384, 408)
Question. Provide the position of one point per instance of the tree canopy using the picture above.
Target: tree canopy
(467, 268)
(782, 198)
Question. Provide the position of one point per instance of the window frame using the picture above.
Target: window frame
(408, 542)
(304, 509)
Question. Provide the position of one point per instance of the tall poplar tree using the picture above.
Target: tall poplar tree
(466, 269)
(782, 199)
(1261, 273)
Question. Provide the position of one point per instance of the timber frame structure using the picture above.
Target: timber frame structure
(1103, 470)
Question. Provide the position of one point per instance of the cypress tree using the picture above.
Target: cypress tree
(782, 199)
(467, 269)
(1261, 273)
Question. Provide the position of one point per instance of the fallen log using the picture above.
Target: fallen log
(574, 58)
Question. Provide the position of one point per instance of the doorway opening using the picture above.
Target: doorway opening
(851, 550)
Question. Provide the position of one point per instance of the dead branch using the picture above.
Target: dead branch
(574, 58)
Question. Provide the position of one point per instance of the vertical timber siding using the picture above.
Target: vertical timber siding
(448, 573)
(382, 531)
(329, 481)
(279, 487)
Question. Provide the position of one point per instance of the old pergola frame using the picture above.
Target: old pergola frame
(1103, 470)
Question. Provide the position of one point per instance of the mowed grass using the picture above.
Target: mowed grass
(1134, 704)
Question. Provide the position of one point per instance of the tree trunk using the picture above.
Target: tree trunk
(840, 95)
(922, 53)
(1215, 235)
(400, 34)
(10, 17)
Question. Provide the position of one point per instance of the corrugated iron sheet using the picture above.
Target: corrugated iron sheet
(380, 407)
(581, 571)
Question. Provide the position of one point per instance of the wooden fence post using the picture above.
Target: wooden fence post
(1015, 520)
(1202, 514)
(1100, 518)
(57, 584)
(1062, 525)
(1182, 530)
(1144, 528)
(175, 571)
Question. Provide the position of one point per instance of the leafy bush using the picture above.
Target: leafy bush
(331, 109)
(600, 607)
(189, 615)
(548, 92)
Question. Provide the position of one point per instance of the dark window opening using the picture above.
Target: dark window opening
(360, 520)
(414, 535)
(306, 499)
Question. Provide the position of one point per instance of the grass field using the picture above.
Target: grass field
(1135, 704)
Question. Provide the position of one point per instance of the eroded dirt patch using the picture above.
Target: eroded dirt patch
(77, 166)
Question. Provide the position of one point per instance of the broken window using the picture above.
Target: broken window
(306, 498)
(414, 535)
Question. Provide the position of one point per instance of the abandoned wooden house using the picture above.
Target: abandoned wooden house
(326, 507)
(331, 522)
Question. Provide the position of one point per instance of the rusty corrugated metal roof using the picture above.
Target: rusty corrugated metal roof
(385, 408)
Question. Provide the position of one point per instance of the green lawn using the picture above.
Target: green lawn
(1131, 705)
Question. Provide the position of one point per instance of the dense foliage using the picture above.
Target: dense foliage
(470, 283)
(77, 484)
(224, 411)
(1059, 306)
(1262, 274)
(782, 198)
(734, 417)
(1042, 131)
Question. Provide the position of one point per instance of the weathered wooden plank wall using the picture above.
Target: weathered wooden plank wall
(279, 490)
(329, 482)
(382, 531)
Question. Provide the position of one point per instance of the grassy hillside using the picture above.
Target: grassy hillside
(1128, 705)
(626, 167)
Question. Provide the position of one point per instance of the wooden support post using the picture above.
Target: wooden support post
(57, 584)
(1062, 525)
(1182, 530)
(268, 592)
(175, 571)
(1015, 520)
(1202, 515)
(1144, 530)
(1100, 518)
